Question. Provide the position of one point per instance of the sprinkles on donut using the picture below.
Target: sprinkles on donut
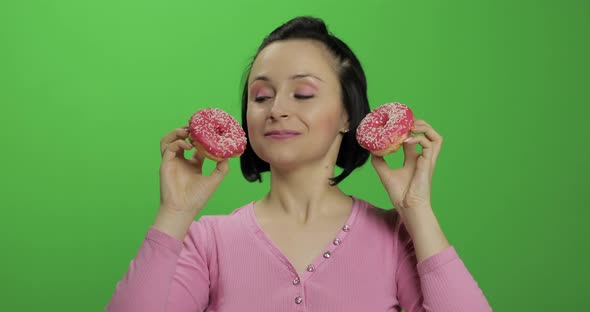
(216, 134)
(384, 130)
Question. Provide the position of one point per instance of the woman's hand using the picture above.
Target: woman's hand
(409, 187)
(183, 187)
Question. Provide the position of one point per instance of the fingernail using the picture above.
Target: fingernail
(408, 140)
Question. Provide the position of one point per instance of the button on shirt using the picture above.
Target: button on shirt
(227, 263)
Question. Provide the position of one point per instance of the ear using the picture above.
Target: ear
(345, 122)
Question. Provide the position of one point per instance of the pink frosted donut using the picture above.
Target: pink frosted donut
(384, 129)
(216, 134)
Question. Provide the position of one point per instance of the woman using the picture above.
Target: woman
(305, 246)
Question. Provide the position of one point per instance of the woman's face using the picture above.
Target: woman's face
(295, 112)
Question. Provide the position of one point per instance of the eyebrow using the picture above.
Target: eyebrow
(298, 76)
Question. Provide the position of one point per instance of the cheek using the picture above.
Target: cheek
(255, 119)
(253, 116)
(249, 117)
(327, 123)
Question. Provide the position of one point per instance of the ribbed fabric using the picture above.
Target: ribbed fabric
(227, 263)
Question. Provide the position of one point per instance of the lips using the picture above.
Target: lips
(281, 134)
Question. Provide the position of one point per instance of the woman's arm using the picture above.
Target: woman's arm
(166, 274)
(430, 274)
(425, 231)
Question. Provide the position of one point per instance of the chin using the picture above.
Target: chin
(282, 159)
(287, 157)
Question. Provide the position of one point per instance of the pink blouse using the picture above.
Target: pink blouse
(227, 263)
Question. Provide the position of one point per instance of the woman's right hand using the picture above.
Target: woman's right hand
(184, 190)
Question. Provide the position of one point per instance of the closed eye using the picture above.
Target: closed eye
(303, 97)
(260, 99)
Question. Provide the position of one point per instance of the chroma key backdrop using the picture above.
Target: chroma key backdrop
(88, 89)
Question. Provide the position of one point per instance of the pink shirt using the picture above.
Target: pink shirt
(227, 263)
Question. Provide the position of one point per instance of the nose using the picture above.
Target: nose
(279, 108)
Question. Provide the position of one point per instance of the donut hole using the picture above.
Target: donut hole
(219, 131)
(381, 120)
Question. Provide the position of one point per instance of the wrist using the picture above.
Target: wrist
(419, 220)
(173, 223)
(425, 231)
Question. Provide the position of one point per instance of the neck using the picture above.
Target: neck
(304, 194)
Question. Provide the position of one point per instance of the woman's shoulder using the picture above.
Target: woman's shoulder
(208, 229)
(383, 227)
(379, 217)
(237, 215)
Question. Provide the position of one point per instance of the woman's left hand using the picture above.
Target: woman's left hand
(409, 187)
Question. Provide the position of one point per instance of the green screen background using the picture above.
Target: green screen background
(88, 89)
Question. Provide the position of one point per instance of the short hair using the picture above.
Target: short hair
(353, 85)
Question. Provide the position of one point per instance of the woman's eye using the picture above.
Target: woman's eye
(260, 99)
(303, 97)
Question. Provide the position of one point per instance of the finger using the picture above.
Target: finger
(178, 133)
(421, 126)
(424, 142)
(176, 149)
(410, 154)
(197, 159)
(381, 167)
(222, 167)
(220, 170)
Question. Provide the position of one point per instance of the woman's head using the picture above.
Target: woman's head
(303, 80)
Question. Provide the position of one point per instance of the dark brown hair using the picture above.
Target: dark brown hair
(353, 87)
